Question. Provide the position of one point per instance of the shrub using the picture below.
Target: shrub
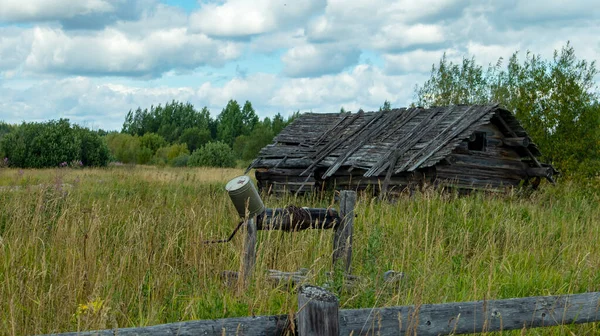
(213, 154)
(165, 155)
(180, 161)
(94, 150)
(124, 147)
(152, 141)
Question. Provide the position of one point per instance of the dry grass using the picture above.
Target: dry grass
(89, 249)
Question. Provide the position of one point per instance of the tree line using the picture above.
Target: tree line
(175, 134)
(555, 99)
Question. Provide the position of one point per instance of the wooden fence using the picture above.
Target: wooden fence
(318, 314)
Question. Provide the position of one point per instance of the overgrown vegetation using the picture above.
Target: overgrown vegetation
(238, 127)
(556, 101)
(50, 144)
(100, 248)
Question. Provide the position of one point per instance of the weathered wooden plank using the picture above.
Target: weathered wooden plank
(472, 317)
(408, 141)
(513, 134)
(424, 320)
(297, 219)
(516, 142)
(462, 123)
(342, 238)
(546, 172)
(366, 134)
(323, 152)
(289, 163)
(317, 312)
(258, 325)
(249, 257)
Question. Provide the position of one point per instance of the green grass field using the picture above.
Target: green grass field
(100, 248)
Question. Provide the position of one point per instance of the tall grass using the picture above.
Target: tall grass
(92, 249)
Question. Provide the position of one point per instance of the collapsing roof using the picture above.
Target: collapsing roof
(407, 138)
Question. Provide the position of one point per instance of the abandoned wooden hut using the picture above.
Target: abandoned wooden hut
(463, 147)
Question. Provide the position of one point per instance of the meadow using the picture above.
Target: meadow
(87, 249)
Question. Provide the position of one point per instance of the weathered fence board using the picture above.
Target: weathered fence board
(259, 325)
(424, 320)
(472, 317)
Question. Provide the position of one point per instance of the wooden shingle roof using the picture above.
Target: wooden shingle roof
(405, 139)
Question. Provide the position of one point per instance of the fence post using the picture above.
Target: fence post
(317, 312)
(342, 238)
(249, 257)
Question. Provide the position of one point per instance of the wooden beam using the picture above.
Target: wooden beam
(256, 325)
(472, 317)
(427, 151)
(516, 142)
(342, 238)
(527, 151)
(317, 312)
(297, 219)
(424, 320)
(546, 172)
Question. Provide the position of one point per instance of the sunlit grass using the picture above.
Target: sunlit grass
(100, 248)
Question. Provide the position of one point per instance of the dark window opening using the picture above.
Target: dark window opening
(477, 141)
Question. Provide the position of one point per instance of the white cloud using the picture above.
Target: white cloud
(93, 102)
(111, 52)
(91, 60)
(239, 18)
(15, 45)
(400, 36)
(311, 60)
(41, 10)
(417, 61)
(365, 86)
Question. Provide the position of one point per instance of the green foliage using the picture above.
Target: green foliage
(49, 144)
(168, 121)
(94, 150)
(4, 129)
(152, 141)
(165, 155)
(180, 161)
(247, 147)
(553, 99)
(125, 148)
(148, 132)
(195, 137)
(212, 154)
(233, 121)
(387, 106)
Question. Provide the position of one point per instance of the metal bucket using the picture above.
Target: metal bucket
(243, 193)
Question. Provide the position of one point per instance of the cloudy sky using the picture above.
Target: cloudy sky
(93, 60)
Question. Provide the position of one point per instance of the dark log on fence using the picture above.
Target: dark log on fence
(342, 238)
(517, 142)
(317, 312)
(294, 218)
(259, 325)
(472, 317)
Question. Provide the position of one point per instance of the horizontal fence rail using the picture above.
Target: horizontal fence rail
(426, 319)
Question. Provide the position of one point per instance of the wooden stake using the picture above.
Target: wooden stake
(317, 312)
(342, 238)
(249, 257)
